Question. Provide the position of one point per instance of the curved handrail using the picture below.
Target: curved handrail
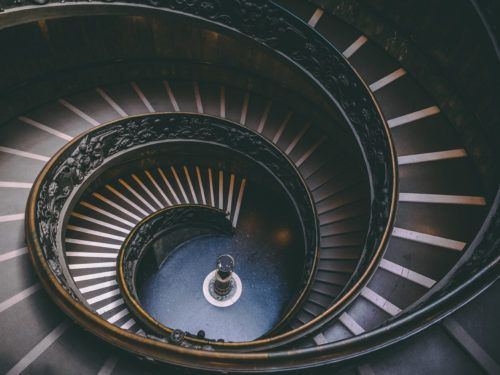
(137, 244)
(73, 168)
(330, 70)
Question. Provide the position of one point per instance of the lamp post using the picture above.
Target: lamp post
(223, 276)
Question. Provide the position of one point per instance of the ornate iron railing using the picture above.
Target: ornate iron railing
(290, 39)
(73, 168)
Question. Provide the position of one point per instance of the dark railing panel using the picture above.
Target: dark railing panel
(290, 38)
(75, 167)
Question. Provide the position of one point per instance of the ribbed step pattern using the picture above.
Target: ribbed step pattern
(100, 222)
(441, 203)
(440, 210)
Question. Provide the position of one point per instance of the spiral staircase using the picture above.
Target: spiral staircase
(340, 150)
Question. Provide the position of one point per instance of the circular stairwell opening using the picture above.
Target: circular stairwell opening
(267, 244)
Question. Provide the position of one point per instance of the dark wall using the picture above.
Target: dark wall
(446, 46)
(47, 59)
